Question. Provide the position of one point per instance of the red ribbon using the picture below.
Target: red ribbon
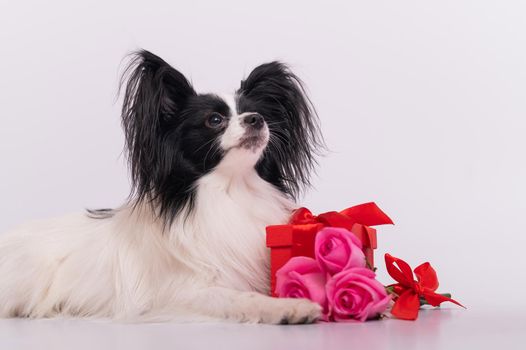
(409, 291)
(367, 214)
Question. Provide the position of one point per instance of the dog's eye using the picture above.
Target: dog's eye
(215, 120)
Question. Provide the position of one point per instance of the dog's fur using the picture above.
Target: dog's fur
(209, 173)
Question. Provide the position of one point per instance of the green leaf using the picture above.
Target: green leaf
(423, 301)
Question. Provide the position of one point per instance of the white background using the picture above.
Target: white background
(422, 106)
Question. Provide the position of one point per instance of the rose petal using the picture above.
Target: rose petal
(301, 277)
(300, 264)
(337, 249)
(314, 284)
(356, 294)
(380, 306)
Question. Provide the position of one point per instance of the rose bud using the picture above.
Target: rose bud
(355, 294)
(338, 249)
(301, 277)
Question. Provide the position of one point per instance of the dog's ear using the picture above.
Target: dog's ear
(154, 94)
(274, 91)
(154, 90)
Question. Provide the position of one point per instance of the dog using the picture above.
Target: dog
(209, 172)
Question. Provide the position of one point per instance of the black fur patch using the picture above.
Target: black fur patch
(169, 146)
(273, 91)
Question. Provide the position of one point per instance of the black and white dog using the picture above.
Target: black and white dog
(209, 173)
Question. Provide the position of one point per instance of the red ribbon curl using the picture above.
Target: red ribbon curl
(409, 291)
(368, 214)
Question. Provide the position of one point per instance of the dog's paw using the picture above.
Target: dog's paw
(290, 311)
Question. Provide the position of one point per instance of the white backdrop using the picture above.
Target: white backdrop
(422, 105)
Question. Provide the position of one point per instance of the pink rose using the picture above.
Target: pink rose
(301, 277)
(356, 294)
(338, 249)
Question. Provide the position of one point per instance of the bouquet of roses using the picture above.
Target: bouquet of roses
(338, 276)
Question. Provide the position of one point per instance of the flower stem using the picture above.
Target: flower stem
(424, 301)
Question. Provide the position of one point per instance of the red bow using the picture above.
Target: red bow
(367, 214)
(409, 291)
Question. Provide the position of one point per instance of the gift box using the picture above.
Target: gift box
(298, 236)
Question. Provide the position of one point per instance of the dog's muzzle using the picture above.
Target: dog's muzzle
(256, 131)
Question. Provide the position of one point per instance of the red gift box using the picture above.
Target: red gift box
(297, 238)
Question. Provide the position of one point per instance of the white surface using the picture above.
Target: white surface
(422, 105)
(435, 329)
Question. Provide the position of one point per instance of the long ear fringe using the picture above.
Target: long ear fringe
(140, 115)
(152, 93)
(314, 142)
(296, 147)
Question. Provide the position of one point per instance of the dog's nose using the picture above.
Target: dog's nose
(254, 120)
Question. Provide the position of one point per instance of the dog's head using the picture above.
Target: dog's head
(175, 136)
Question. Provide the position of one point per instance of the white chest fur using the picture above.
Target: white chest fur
(225, 234)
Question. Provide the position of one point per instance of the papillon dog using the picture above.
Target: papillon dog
(209, 172)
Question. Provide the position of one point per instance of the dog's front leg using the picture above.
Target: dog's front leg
(253, 307)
